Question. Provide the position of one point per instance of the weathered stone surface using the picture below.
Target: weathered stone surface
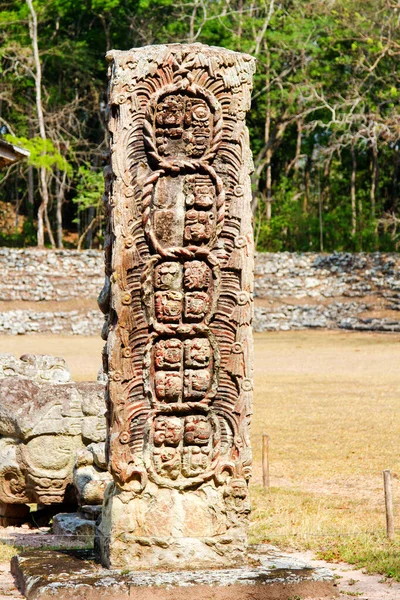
(43, 424)
(90, 474)
(341, 290)
(28, 321)
(41, 368)
(74, 524)
(178, 306)
(271, 576)
(91, 511)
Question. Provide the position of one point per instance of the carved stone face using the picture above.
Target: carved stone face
(167, 461)
(168, 431)
(171, 112)
(195, 461)
(196, 305)
(198, 226)
(236, 497)
(182, 125)
(197, 384)
(168, 386)
(200, 113)
(238, 488)
(168, 354)
(200, 380)
(168, 306)
(197, 430)
(168, 276)
(200, 192)
(201, 131)
(204, 196)
(196, 275)
(197, 352)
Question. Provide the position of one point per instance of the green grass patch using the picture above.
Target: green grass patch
(373, 553)
(7, 551)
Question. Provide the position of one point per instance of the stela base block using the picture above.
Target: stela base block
(270, 575)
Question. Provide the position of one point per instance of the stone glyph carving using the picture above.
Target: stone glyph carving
(45, 419)
(178, 306)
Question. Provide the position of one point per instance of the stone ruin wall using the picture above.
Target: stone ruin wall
(335, 291)
(44, 291)
(55, 292)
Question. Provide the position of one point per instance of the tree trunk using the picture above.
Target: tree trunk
(320, 207)
(267, 133)
(31, 179)
(395, 177)
(268, 186)
(326, 185)
(42, 212)
(192, 21)
(353, 191)
(105, 21)
(299, 124)
(48, 226)
(240, 27)
(60, 200)
(294, 163)
(30, 186)
(40, 226)
(94, 222)
(17, 201)
(307, 179)
(374, 178)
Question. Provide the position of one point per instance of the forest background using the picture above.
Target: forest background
(324, 123)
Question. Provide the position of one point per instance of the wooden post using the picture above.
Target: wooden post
(388, 504)
(265, 461)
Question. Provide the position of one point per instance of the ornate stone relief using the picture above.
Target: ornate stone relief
(45, 419)
(178, 307)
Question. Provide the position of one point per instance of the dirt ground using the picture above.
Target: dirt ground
(350, 582)
(329, 402)
(354, 582)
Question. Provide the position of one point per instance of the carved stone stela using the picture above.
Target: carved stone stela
(178, 306)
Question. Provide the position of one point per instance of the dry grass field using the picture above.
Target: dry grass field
(330, 402)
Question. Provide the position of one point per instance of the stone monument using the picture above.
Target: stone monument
(178, 306)
(45, 420)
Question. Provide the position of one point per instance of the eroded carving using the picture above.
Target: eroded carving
(45, 420)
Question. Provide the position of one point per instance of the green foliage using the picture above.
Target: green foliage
(89, 188)
(42, 153)
(371, 552)
(327, 76)
(25, 238)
